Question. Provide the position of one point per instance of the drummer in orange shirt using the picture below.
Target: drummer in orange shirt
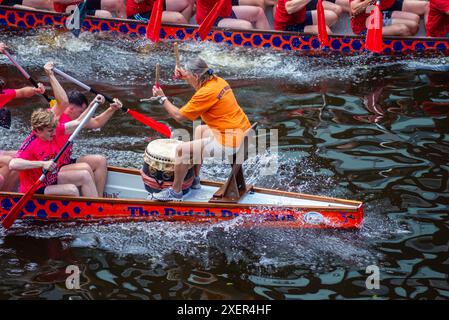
(225, 123)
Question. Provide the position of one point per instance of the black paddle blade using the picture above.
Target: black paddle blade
(5, 118)
(75, 21)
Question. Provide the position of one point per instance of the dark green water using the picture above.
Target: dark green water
(364, 128)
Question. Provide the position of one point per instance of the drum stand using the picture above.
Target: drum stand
(235, 187)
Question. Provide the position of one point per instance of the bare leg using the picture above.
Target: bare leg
(173, 17)
(411, 25)
(62, 190)
(331, 17)
(256, 3)
(117, 6)
(99, 166)
(338, 10)
(185, 7)
(314, 29)
(201, 132)
(39, 4)
(344, 4)
(10, 178)
(396, 30)
(255, 15)
(417, 7)
(235, 24)
(184, 153)
(79, 178)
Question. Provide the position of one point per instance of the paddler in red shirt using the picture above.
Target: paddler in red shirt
(98, 8)
(175, 11)
(29, 4)
(438, 21)
(231, 16)
(292, 15)
(394, 23)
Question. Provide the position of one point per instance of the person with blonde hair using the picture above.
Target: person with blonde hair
(41, 147)
(225, 123)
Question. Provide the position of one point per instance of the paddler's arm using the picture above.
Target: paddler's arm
(28, 92)
(359, 6)
(3, 47)
(22, 164)
(102, 119)
(171, 109)
(295, 5)
(60, 95)
(69, 127)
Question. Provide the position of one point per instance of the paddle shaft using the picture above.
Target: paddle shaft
(17, 209)
(25, 74)
(85, 86)
(159, 127)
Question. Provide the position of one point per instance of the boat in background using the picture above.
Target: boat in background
(345, 44)
(127, 200)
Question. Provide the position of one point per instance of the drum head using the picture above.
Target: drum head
(163, 150)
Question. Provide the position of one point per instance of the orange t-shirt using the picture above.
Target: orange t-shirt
(216, 104)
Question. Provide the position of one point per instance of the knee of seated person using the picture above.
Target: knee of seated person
(73, 191)
(103, 14)
(246, 25)
(179, 18)
(101, 160)
(403, 30)
(85, 176)
(2, 181)
(331, 17)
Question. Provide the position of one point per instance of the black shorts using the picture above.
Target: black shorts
(300, 26)
(397, 6)
(235, 2)
(233, 16)
(11, 2)
(92, 6)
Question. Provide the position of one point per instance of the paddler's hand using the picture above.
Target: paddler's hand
(3, 47)
(100, 99)
(157, 92)
(48, 67)
(117, 105)
(40, 89)
(49, 166)
(180, 73)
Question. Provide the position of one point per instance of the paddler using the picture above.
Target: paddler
(438, 21)
(174, 11)
(224, 129)
(9, 178)
(233, 16)
(292, 15)
(70, 107)
(98, 8)
(38, 150)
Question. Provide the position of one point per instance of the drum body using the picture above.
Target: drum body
(159, 166)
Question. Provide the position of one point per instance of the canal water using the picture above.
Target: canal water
(367, 128)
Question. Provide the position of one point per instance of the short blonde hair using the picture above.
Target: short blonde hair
(43, 118)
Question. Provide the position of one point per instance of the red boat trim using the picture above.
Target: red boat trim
(347, 44)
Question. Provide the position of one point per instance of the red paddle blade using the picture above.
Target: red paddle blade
(374, 41)
(17, 209)
(207, 24)
(155, 22)
(157, 126)
(322, 30)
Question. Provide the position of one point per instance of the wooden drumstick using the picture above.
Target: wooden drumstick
(158, 75)
(176, 48)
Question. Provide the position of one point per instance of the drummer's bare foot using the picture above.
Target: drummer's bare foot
(168, 195)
